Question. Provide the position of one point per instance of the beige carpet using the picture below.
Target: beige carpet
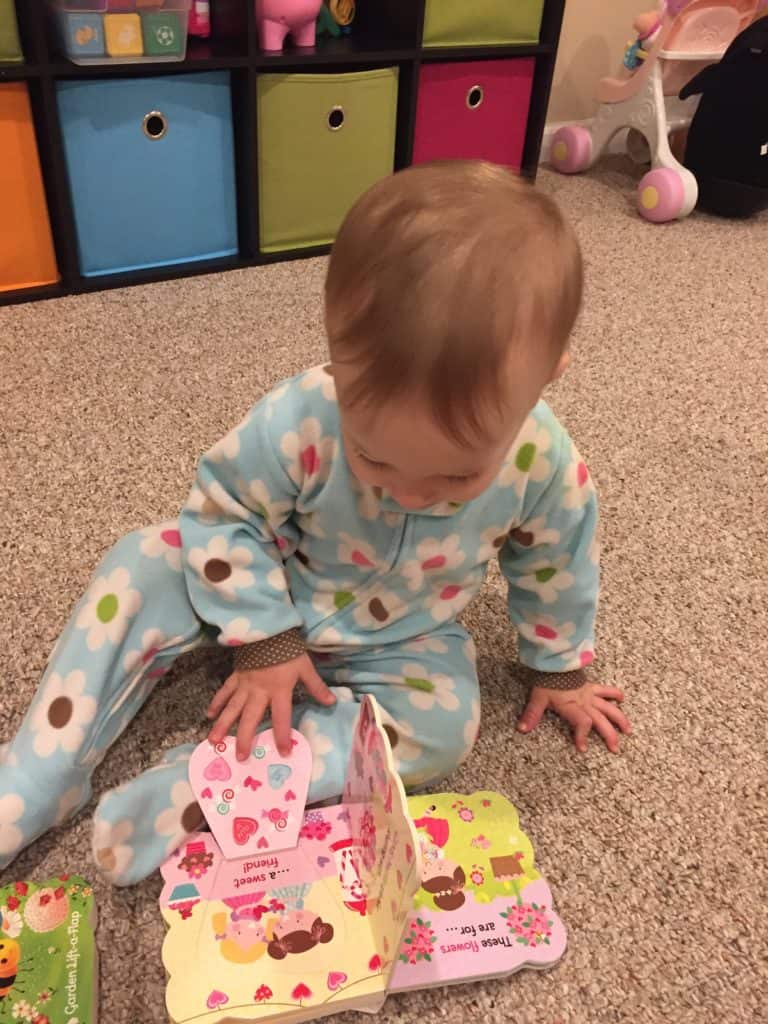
(657, 857)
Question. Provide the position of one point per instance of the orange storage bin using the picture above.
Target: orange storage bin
(27, 257)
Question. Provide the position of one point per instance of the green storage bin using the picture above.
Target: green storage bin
(10, 47)
(323, 140)
(482, 22)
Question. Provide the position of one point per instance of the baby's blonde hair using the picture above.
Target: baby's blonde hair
(438, 275)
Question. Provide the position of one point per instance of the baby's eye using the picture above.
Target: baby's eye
(461, 479)
(371, 462)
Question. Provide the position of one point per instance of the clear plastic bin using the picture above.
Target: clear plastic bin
(122, 31)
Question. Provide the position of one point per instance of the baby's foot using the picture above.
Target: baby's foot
(29, 809)
(138, 825)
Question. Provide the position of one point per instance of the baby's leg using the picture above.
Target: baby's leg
(133, 621)
(430, 702)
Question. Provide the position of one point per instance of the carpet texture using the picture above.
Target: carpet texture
(657, 857)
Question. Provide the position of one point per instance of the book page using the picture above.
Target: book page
(483, 910)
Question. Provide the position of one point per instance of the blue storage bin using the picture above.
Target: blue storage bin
(151, 169)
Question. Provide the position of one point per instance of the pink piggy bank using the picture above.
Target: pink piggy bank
(277, 18)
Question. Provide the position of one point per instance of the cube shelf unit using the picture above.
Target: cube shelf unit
(386, 34)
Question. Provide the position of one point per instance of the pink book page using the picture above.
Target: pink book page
(483, 910)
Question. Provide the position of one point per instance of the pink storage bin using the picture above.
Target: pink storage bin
(476, 110)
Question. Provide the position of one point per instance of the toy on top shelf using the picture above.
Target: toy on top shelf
(691, 34)
(122, 31)
(200, 19)
(647, 26)
(279, 18)
(10, 47)
(343, 13)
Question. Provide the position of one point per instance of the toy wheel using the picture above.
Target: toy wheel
(661, 195)
(571, 149)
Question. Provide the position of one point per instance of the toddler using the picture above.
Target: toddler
(333, 538)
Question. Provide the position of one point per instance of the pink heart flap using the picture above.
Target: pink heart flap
(254, 805)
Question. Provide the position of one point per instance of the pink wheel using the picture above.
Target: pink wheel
(571, 149)
(661, 195)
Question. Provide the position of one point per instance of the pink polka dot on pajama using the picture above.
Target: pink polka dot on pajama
(172, 538)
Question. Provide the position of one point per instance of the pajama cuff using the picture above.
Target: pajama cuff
(276, 650)
(555, 680)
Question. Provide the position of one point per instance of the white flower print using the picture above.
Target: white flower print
(239, 631)
(21, 1010)
(447, 602)
(7, 756)
(426, 645)
(546, 578)
(256, 496)
(594, 551)
(379, 609)
(471, 729)
(547, 632)
(330, 639)
(526, 459)
(470, 651)
(108, 605)
(578, 483)
(183, 815)
(273, 398)
(534, 533)
(369, 501)
(205, 508)
(70, 801)
(491, 542)
(310, 451)
(425, 689)
(356, 552)
(222, 568)
(229, 446)
(163, 541)
(11, 922)
(433, 556)
(328, 602)
(152, 643)
(320, 745)
(11, 836)
(320, 377)
(110, 847)
(276, 578)
(215, 505)
(61, 714)
(582, 657)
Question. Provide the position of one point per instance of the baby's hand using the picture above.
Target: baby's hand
(590, 707)
(247, 695)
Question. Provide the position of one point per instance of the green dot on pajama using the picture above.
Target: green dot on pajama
(107, 608)
(424, 685)
(525, 456)
(545, 575)
(342, 598)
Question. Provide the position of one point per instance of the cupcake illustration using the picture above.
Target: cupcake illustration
(46, 909)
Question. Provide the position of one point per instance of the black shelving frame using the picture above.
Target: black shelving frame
(386, 33)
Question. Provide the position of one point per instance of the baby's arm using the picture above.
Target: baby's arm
(231, 536)
(551, 562)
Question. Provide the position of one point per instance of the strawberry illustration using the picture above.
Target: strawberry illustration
(21, 888)
(13, 902)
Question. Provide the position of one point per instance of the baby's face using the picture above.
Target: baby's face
(402, 450)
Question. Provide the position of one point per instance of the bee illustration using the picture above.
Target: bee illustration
(10, 957)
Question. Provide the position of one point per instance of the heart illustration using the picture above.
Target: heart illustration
(243, 829)
(301, 992)
(323, 862)
(374, 964)
(216, 999)
(244, 790)
(408, 852)
(335, 980)
(217, 770)
(278, 774)
(359, 559)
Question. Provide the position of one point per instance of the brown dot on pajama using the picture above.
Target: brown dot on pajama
(377, 610)
(192, 818)
(216, 570)
(60, 712)
(106, 858)
(498, 541)
(523, 537)
(302, 557)
(392, 735)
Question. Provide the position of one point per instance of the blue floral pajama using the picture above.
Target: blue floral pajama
(277, 535)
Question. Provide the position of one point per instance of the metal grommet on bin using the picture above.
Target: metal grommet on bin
(155, 125)
(475, 97)
(336, 118)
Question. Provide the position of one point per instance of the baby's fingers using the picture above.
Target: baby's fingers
(228, 717)
(608, 693)
(221, 697)
(251, 716)
(581, 724)
(606, 730)
(614, 714)
(282, 710)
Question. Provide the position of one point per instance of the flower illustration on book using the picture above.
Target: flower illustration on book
(315, 826)
(529, 924)
(262, 994)
(419, 942)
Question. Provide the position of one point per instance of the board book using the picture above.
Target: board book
(378, 894)
(48, 962)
